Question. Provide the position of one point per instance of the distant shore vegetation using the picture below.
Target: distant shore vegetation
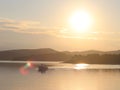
(96, 59)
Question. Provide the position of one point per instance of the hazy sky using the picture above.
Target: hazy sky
(44, 24)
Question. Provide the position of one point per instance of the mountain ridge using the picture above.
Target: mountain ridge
(43, 54)
(48, 54)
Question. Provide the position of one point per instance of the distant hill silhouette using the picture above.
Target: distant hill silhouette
(47, 54)
(96, 59)
(88, 52)
(44, 54)
(113, 52)
(92, 52)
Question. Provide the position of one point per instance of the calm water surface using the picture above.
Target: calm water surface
(12, 79)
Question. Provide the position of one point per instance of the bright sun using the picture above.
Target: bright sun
(80, 21)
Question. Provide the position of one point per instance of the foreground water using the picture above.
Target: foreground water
(12, 79)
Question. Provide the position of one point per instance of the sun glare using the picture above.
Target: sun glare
(80, 21)
(81, 66)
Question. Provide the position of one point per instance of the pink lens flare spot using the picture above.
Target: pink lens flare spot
(23, 71)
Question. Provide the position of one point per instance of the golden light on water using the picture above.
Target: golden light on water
(80, 66)
(80, 21)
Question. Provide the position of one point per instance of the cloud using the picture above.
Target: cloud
(91, 35)
(35, 27)
(32, 27)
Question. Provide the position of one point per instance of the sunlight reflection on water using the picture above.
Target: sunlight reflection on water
(11, 79)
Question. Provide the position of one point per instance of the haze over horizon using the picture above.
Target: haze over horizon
(65, 25)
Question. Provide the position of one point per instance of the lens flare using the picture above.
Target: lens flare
(24, 70)
(29, 64)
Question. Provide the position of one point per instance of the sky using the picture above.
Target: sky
(29, 24)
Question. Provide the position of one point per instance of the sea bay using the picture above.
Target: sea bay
(60, 79)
